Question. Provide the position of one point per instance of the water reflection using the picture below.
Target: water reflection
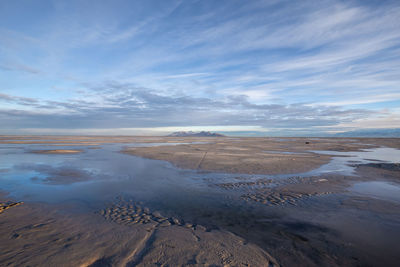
(97, 175)
(378, 189)
(343, 162)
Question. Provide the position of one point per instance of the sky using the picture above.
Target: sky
(289, 68)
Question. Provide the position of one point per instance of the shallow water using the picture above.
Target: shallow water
(344, 162)
(91, 179)
(94, 176)
(97, 175)
(378, 189)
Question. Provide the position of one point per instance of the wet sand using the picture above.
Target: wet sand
(313, 219)
(253, 155)
(8, 204)
(58, 151)
(41, 235)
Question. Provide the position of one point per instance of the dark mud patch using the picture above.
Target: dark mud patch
(384, 166)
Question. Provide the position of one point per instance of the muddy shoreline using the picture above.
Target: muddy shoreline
(222, 220)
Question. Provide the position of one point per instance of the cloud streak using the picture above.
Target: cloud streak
(268, 64)
(140, 107)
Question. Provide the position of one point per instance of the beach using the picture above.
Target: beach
(199, 201)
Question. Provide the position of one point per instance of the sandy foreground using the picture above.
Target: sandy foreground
(39, 235)
(126, 233)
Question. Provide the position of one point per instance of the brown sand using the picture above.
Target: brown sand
(9, 204)
(38, 235)
(248, 155)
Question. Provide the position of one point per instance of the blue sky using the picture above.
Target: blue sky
(150, 67)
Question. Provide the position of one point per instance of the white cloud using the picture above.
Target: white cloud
(226, 62)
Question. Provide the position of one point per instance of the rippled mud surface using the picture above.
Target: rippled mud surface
(343, 212)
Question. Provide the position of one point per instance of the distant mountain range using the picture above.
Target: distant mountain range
(357, 133)
(371, 133)
(197, 134)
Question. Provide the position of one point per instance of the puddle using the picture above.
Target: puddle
(377, 189)
(342, 162)
(96, 176)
